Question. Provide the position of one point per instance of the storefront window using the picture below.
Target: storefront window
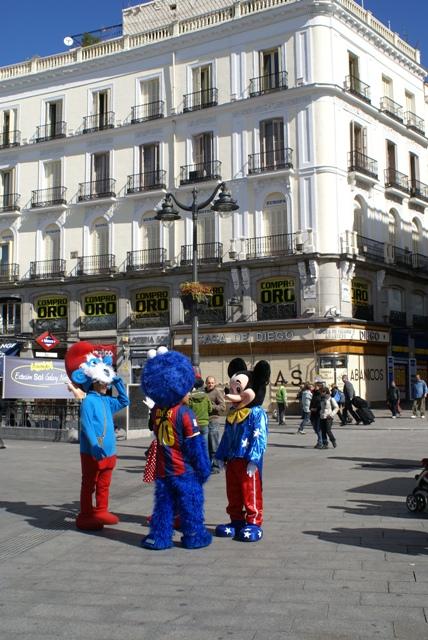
(276, 299)
(150, 308)
(99, 311)
(51, 313)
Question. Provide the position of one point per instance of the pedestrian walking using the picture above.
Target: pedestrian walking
(281, 402)
(349, 393)
(393, 398)
(305, 400)
(328, 410)
(339, 396)
(201, 407)
(2, 444)
(419, 393)
(315, 409)
(218, 410)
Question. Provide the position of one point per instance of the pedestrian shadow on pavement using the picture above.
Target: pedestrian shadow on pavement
(49, 517)
(399, 486)
(290, 446)
(379, 508)
(409, 541)
(382, 464)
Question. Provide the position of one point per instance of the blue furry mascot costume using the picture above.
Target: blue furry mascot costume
(241, 449)
(182, 464)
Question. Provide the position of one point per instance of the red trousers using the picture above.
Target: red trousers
(244, 494)
(96, 478)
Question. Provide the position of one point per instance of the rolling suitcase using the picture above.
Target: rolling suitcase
(365, 415)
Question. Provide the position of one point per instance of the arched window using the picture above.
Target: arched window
(358, 221)
(274, 218)
(52, 242)
(99, 237)
(149, 231)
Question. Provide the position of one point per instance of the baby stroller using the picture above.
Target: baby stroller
(418, 499)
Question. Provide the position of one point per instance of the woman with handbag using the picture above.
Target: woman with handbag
(328, 410)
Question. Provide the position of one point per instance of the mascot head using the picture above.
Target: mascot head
(247, 388)
(84, 366)
(167, 377)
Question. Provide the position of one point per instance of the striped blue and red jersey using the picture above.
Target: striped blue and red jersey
(171, 427)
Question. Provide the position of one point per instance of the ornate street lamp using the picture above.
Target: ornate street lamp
(223, 204)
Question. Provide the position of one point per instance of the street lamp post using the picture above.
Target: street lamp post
(224, 204)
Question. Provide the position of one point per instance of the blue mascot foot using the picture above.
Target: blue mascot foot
(230, 530)
(197, 540)
(155, 545)
(250, 533)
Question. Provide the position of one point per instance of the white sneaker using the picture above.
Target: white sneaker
(302, 432)
(423, 417)
(413, 416)
(393, 417)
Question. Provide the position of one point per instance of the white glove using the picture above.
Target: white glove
(251, 469)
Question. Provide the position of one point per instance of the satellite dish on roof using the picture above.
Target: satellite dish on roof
(68, 41)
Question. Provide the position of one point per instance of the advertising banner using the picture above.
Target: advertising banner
(25, 378)
(51, 307)
(277, 291)
(360, 292)
(151, 302)
(99, 304)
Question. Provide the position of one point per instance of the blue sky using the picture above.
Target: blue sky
(38, 27)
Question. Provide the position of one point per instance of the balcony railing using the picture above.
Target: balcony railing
(200, 172)
(209, 315)
(276, 311)
(420, 261)
(414, 123)
(371, 249)
(48, 197)
(402, 257)
(200, 100)
(58, 325)
(148, 111)
(98, 122)
(269, 82)
(145, 259)
(10, 139)
(208, 253)
(96, 190)
(51, 131)
(357, 87)
(420, 323)
(265, 246)
(9, 202)
(361, 163)
(391, 108)
(273, 160)
(9, 272)
(396, 180)
(140, 182)
(47, 269)
(362, 311)
(104, 264)
(142, 321)
(398, 318)
(418, 190)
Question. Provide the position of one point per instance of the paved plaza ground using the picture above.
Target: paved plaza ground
(341, 557)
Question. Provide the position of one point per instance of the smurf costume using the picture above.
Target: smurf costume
(182, 464)
(94, 375)
(241, 449)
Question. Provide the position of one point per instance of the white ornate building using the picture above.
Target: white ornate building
(312, 111)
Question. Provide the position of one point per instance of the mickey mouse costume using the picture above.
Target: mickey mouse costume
(94, 375)
(241, 449)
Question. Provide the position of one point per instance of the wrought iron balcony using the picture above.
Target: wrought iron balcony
(47, 269)
(10, 139)
(273, 160)
(9, 272)
(148, 181)
(104, 264)
(362, 311)
(420, 323)
(148, 111)
(361, 163)
(200, 172)
(98, 122)
(48, 197)
(208, 315)
(145, 259)
(357, 87)
(402, 257)
(51, 131)
(208, 253)
(200, 100)
(9, 202)
(96, 190)
(398, 318)
(266, 246)
(142, 321)
(420, 261)
(391, 108)
(396, 180)
(418, 190)
(371, 249)
(267, 83)
(276, 311)
(414, 123)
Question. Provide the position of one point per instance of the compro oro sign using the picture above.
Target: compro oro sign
(277, 291)
(99, 310)
(151, 302)
(34, 379)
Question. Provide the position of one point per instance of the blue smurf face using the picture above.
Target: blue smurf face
(95, 369)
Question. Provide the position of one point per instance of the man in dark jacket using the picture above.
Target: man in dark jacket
(393, 398)
(349, 393)
(218, 410)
